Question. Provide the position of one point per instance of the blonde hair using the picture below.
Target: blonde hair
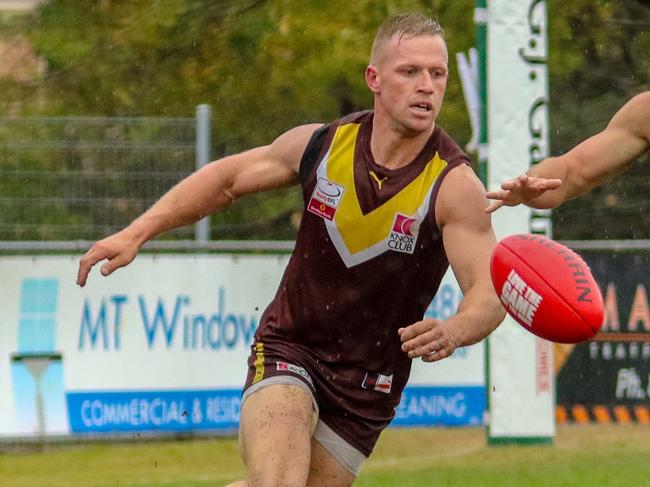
(404, 25)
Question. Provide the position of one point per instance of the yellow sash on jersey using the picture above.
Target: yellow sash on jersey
(359, 237)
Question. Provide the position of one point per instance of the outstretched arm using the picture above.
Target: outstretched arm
(591, 163)
(469, 242)
(209, 189)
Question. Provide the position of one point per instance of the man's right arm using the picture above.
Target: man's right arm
(207, 190)
(589, 164)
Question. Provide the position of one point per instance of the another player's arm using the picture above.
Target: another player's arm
(601, 157)
(469, 242)
(207, 190)
(589, 164)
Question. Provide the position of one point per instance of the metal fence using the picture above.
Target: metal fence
(81, 178)
(68, 181)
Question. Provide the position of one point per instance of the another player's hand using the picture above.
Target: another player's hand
(119, 250)
(430, 339)
(520, 190)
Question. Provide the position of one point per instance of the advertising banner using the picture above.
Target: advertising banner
(450, 392)
(608, 378)
(520, 378)
(161, 346)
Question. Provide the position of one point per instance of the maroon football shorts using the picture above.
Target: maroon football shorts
(355, 404)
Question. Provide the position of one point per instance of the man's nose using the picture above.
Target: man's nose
(425, 83)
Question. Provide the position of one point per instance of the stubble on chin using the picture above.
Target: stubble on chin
(411, 130)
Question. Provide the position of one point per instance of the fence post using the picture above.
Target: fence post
(203, 112)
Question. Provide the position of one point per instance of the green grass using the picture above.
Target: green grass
(593, 455)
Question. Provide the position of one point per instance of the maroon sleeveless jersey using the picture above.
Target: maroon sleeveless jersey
(368, 260)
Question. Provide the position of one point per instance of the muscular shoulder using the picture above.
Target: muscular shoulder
(289, 147)
(461, 196)
(449, 149)
(642, 102)
(634, 117)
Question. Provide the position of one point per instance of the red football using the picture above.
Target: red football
(547, 288)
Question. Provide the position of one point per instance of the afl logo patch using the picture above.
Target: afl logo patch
(325, 199)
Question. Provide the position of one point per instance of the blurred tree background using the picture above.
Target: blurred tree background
(267, 65)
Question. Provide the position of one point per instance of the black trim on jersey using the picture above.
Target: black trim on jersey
(312, 151)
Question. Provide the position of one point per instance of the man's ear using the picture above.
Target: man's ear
(372, 79)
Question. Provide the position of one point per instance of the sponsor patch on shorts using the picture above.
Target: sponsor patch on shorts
(284, 366)
(378, 382)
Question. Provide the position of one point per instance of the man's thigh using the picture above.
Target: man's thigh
(325, 470)
(276, 425)
(276, 428)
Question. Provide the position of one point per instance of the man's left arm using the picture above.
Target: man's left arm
(469, 241)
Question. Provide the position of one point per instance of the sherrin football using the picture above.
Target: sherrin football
(547, 288)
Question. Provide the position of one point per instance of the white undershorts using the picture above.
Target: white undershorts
(345, 454)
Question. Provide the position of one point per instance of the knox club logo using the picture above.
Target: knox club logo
(404, 234)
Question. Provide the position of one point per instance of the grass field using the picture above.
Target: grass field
(589, 455)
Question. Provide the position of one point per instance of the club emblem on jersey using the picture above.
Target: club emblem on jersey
(404, 234)
(325, 199)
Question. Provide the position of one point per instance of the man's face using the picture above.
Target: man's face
(410, 79)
